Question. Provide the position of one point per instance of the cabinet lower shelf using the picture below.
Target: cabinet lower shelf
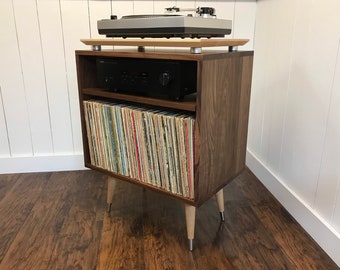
(142, 184)
(187, 104)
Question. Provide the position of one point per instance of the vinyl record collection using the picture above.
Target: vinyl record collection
(149, 145)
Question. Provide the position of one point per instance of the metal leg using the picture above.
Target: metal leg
(190, 213)
(222, 216)
(96, 47)
(196, 50)
(220, 203)
(233, 48)
(141, 49)
(191, 244)
(108, 207)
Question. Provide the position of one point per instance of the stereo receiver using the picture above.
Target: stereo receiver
(168, 79)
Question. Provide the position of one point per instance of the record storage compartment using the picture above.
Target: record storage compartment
(220, 109)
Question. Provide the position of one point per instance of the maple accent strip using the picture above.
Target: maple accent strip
(164, 42)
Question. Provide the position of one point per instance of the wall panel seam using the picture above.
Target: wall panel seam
(45, 80)
(337, 198)
(4, 113)
(327, 127)
(22, 79)
(89, 17)
(66, 71)
(288, 87)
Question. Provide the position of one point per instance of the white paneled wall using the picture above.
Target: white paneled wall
(55, 75)
(39, 115)
(14, 102)
(294, 130)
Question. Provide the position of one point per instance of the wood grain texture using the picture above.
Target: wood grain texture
(6, 184)
(187, 104)
(163, 247)
(240, 148)
(223, 105)
(80, 232)
(14, 211)
(61, 211)
(164, 42)
(58, 221)
(168, 54)
(122, 236)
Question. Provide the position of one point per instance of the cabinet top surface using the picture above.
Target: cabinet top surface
(164, 42)
(165, 53)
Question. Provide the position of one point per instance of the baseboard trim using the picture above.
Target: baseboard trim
(27, 164)
(319, 229)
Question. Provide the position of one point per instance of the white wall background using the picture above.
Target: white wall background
(294, 130)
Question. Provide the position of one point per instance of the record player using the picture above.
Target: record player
(201, 24)
(168, 79)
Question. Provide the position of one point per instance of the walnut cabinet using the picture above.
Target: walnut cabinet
(220, 107)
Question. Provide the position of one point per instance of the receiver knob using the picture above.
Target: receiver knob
(165, 78)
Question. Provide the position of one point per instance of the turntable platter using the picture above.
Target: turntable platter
(148, 16)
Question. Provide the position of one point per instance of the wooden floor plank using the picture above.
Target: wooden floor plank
(57, 221)
(35, 241)
(121, 241)
(7, 181)
(292, 240)
(79, 237)
(17, 204)
(165, 237)
(248, 243)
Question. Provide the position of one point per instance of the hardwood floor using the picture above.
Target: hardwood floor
(58, 221)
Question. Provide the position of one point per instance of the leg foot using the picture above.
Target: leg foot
(108, 207)
(190, 212)
(220, 203)
(222, 216)
(191, 244)
(110, 189)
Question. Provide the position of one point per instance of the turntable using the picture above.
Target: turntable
(204, 24)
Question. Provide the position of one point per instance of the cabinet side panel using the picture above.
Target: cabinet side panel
(223, 121)
(85, 75)
(244, 103)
